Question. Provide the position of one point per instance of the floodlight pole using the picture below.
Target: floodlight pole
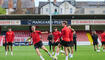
(50, 15)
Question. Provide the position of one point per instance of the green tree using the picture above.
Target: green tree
(2, 11)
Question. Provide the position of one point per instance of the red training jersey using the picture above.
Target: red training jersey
(71, 35)
(103, 37)
(10, 36)
(65, 34)
(56, 36)
(35, 36)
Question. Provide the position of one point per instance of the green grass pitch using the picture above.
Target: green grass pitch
(28, 53)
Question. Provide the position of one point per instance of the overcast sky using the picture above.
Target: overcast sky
(37, 1)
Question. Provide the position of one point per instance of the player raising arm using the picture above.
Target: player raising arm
(35, 35)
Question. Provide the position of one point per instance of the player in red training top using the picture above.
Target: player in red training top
(71, 42)
(65, 39)
(9, 39)
(35, 35)
(103, 40)
(56, 39)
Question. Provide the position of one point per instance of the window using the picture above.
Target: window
(55, 12)
(28, 12)
(42, 10)
(46, 9)
(104, 12)
(92, 12)
(61, 10)
(71, 10)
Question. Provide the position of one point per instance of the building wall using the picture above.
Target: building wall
(80, 8)
(97, 10)
(66, 8)
(36, 10)
(1, 2)
(79, 11)
(45, 9)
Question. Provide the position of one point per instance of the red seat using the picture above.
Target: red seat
(81, 36)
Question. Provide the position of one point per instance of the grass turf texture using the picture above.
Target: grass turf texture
(28, 53)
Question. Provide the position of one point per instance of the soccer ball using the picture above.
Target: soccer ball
(62, 51)
(98, 50)
(29, 40)
(54, 58)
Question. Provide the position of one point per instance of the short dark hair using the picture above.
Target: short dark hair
(55, 27)
(55, 10)
(9, 28)
(93, 31)
(64, 22)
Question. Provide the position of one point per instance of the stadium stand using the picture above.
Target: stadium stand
(20, 36)
(81, 36)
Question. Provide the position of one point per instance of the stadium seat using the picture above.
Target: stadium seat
(20, 36)
(81, 36)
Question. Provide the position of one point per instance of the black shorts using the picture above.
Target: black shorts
(50, 43)
(65, 43)
(10, 43)
(95, 43)
(38, 45)
(74, 42)
(103, 43)
(71, 43)
(55, 43)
